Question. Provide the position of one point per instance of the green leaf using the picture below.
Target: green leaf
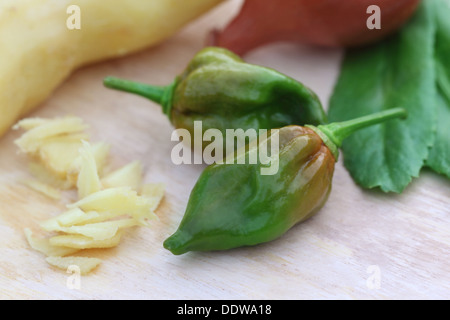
(439, 158)
(397, 72)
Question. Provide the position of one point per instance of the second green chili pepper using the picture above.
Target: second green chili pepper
(221, 90)
(233, 205)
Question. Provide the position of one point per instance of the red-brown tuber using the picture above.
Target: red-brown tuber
(329, 23)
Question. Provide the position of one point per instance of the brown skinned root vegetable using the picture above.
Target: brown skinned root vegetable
(39, 48)
(330, 23)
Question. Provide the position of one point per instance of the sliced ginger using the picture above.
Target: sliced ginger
(62, 159)
(43, 245)
(43, 188)
(84, 264)
(99, 150)
(79, 241)
(41, 133)
(129, 175)
(88, 181)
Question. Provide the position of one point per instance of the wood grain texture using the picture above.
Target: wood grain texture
(334, 255)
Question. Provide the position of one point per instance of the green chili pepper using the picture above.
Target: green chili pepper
(233, 205)
(221, 90)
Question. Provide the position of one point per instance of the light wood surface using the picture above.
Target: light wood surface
(361, 245)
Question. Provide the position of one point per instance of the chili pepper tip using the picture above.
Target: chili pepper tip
(176, 243)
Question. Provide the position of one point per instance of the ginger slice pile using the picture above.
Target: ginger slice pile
(107, 204)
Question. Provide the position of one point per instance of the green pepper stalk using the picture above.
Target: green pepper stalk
(334, 134)
(161, 95)
(233, 205)
(221, 90)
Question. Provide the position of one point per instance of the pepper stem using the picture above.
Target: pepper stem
(335, 133)
(158, 94)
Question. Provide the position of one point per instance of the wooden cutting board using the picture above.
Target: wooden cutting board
(362, 244)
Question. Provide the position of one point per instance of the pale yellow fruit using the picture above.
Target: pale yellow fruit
(38, 50)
